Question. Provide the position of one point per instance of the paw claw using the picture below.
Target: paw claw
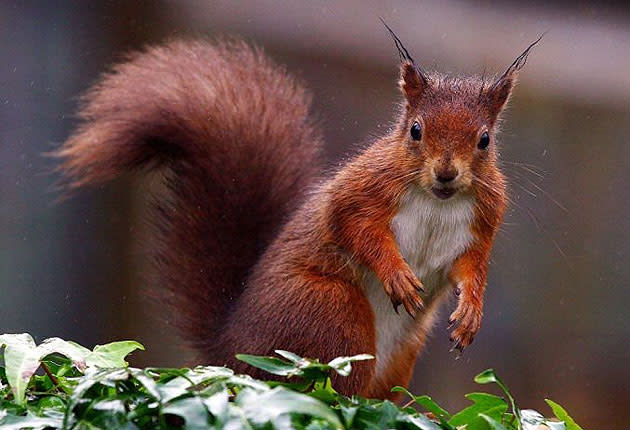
(410, 310)
(395, 305)
(403, 288)
(467, 320)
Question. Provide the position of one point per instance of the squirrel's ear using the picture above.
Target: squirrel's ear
(499, 92)
(412, 82)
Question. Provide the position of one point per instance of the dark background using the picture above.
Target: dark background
(556, 320)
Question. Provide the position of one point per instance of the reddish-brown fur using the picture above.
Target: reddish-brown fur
(249, 271)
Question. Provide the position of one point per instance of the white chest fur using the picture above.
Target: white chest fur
(430, 234)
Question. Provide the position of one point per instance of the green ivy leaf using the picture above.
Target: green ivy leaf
(20, 362)
(218, 405)
(173, 389)
(48, 404)
(93, 376)
(289, 355)
(419, 421)
(533, 420)
(324, 395)
(144, 378)
(494, 424)
(381, 415)
(75, 352)
(429, 405)
(489, 376)
(192, 410)
(12, 422)
(343, 365)
(348, 413)
(270, 405)
(562, 415)
(112, 355)
(247, 381)
(483, 403)
(107, 414)
(200, 374)
(272, 365)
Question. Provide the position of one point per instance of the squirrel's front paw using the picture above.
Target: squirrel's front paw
(467, 316)
(403, 287)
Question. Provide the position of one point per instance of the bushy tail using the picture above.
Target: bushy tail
(232, 134)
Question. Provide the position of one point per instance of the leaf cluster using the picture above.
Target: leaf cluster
(62, 385)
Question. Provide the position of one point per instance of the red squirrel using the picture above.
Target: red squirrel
(256, 252)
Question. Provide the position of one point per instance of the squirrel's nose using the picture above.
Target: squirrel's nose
(445, 176)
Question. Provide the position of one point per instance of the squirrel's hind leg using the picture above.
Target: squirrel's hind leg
(318, 316)
(347, 328)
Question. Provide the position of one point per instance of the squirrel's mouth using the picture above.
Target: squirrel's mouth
(443, 193)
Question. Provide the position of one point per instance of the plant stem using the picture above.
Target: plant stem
(515, 411)
(409, 403)
(50, 375)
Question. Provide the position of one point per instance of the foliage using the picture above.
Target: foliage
(62, 385)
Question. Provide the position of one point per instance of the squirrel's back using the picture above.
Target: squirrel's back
(232, 134)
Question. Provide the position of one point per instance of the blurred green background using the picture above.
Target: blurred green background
(556, 322)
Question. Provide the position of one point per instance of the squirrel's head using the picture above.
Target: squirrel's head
(449, 124)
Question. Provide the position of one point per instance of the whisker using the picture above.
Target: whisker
(489, 187)
(531, 193)
(543, 191)
(528, 165)
(485, 184)
(561, 251)
(549, 196)
(408, 175)
(530, 170)
(536, 221)
(533, 217)
(524, 174)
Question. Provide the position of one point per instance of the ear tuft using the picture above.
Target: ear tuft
(412, 79)
(499, 92)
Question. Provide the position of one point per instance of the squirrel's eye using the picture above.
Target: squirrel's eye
(416, 131)
(484, 141)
